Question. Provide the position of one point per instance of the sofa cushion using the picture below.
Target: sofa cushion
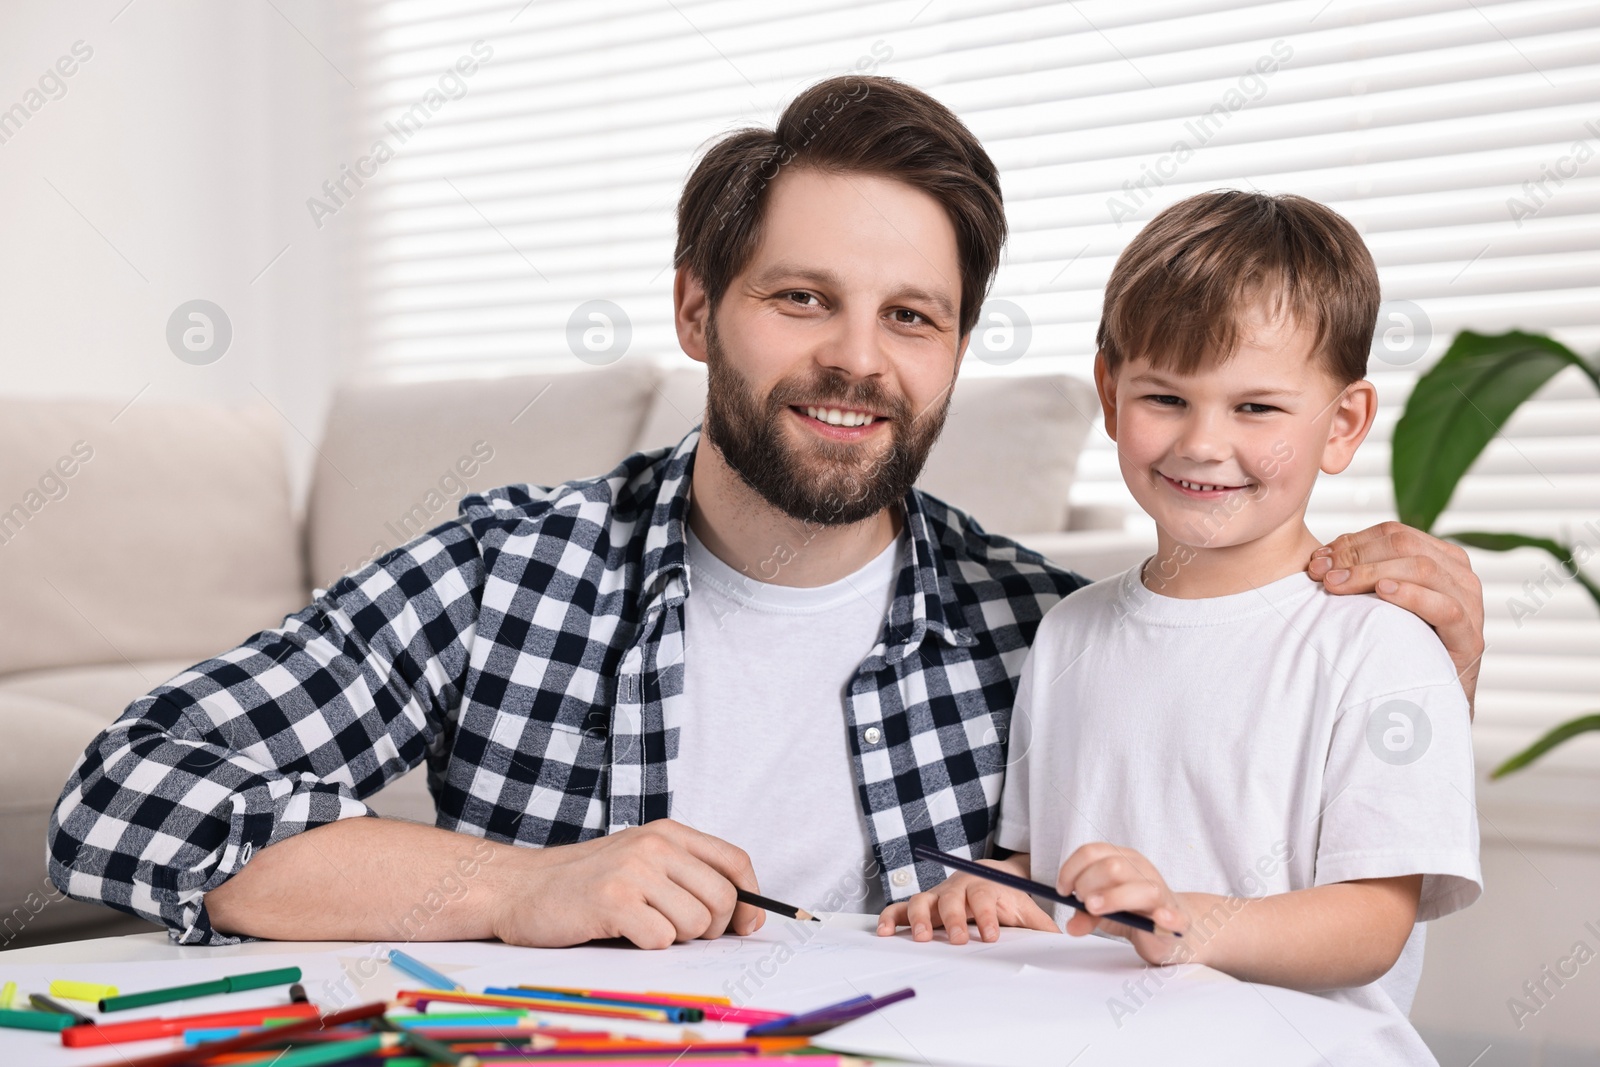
(1007, 456)
(398, 457)
(140, 532)
(1009, 451)
(31, 777)
(103, 690)
(59, 712)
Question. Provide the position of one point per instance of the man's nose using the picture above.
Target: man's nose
(855, 347)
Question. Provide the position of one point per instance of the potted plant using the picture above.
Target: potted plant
(1456, 408)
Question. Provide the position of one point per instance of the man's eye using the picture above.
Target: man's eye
(907, 317)
(800, 296)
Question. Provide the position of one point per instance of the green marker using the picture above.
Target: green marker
(234, 984)
(336, 1051)
(34, 1020)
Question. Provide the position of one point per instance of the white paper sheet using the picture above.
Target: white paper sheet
(1095, 1018)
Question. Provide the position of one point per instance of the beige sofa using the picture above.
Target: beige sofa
(135, 542)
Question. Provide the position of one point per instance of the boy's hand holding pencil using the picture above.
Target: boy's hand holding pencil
(1110, 878)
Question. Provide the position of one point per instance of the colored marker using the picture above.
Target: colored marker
(233, 984)
(92, 992)
(34, 1020)
(186, 1057)
(44, 1003)
(8, 993)
(422, 972)
(145, 1029)
(335, 1052)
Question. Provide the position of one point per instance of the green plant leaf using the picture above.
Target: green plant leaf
(1565, 732)
(1459, 405)
(1505, 542)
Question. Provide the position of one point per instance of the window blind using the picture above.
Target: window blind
(1459, 136)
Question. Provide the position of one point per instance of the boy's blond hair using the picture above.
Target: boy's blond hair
(1180, 290)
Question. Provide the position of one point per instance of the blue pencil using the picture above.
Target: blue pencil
(422, 972)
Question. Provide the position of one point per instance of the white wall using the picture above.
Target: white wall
(174, 166)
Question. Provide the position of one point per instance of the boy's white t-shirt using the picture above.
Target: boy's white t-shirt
(1249, 745)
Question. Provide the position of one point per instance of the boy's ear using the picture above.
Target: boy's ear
(1353, 413)
(1106, 385)
(691, 309)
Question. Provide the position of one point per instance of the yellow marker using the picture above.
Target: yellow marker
(90, 991)
(8, 993)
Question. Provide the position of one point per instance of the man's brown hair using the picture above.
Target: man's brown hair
(849, 124)
(1181, 288)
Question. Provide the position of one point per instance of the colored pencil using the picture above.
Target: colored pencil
(788, 911)
(675, 1013)
(824, 1019)
(722, 1059)
(1038, 889)
(237, 983)
(422, 972)
(185, 1057)
(841, 1016)
(417, 997)
(717, 1009)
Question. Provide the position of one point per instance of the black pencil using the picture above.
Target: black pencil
(788, 911)
(1038, 889)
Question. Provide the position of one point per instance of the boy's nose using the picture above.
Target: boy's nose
(1201, 442)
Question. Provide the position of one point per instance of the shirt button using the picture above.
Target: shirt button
(901, 878)
(872, 735)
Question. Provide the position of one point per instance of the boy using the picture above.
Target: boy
(1293, 768)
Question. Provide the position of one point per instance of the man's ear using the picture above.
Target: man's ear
(1106, 385)
(691, 310)
(1353, 414)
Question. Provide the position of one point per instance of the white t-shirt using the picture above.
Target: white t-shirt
(763, 749)
(1249, 745)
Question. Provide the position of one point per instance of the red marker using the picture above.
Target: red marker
(146, 1029)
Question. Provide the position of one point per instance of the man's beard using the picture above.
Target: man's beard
(823, 482)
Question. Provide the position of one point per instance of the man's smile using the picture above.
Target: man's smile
(839, 423)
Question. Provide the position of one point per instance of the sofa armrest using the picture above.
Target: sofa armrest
(1095, 554)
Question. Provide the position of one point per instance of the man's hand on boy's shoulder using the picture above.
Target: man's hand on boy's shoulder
(1431, 578)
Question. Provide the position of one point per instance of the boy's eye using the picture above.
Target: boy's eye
(1256, 409)
(1164, 399)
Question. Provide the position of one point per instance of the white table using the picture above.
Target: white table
(1049, 993)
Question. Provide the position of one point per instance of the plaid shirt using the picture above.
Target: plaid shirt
(531, 651)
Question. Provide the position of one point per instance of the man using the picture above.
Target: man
(768, 645)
